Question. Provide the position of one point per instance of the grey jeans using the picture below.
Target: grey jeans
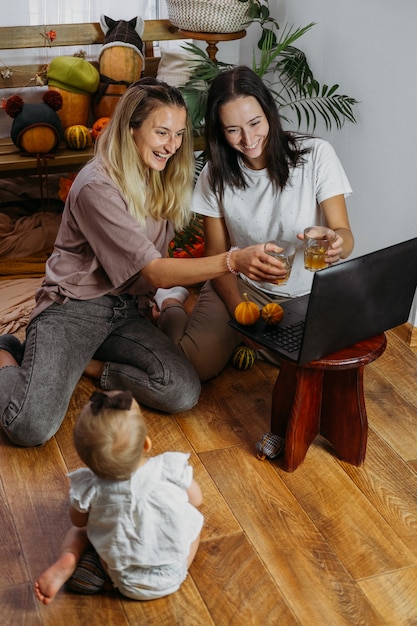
(61, 341)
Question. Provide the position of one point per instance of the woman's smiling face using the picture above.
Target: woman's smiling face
(160, 135)
(246, 129)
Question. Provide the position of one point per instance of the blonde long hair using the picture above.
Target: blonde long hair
(162, 194)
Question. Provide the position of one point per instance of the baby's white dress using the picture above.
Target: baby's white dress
(142, 528)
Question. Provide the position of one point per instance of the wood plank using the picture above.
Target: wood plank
(237, 587)
(395, 596)
(10, 549)
(407, 333)
(209, 425)
(19, 606)
(398, 365)
(248, 396)
(391, 416)
(70, 609)
(389, 484)
(83, 34)
(364, 542)
(12, 163)
(391, 400)
(313, 580)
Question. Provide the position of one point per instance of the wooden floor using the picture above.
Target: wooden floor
(328, 544)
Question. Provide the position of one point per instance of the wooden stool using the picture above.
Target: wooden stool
(324, 397)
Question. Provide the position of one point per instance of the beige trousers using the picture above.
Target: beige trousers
(205, 336)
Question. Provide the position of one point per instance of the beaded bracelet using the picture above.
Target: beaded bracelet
(229, 254)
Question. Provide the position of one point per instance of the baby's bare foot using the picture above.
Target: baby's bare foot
(52, 579)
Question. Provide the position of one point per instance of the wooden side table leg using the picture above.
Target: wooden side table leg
(212, 49)
(344, 421)
(295, 414)
(282, 398)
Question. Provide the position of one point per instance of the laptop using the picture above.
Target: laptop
(349, 302)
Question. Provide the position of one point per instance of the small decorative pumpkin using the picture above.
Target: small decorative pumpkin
(246, 312)
(77, 137)
(272, 313)
(98, 126)
(243, 358)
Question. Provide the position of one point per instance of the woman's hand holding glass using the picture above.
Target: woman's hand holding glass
(259, 265)
(334, 250)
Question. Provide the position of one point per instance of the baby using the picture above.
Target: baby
(137, 512)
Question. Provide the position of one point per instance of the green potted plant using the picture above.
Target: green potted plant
(258, 11)
(286, 71)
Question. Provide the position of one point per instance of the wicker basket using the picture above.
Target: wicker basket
(208, 16)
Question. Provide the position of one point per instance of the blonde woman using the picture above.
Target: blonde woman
(110, 257)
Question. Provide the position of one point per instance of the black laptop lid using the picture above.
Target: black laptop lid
(360, 298)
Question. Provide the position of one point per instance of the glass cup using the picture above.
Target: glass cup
(286, 255)
(317, 240)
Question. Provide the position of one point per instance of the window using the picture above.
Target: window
(78, 11)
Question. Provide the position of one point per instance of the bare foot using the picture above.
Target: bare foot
(94, 369)
(52, 579)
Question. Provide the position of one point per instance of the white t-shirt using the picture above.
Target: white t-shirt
(142, 522)
(258, 213)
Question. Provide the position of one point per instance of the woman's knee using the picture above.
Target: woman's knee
(31, 423)
(27, 433)
(183, 392)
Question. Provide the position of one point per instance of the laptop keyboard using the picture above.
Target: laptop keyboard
(288, 338)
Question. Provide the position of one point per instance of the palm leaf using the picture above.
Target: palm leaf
(292, 82)
(288, 75)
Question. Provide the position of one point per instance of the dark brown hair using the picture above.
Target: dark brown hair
(282, 148)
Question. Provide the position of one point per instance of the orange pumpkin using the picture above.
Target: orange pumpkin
(120, 63)
(98, 126)
(246, 312)
(77, 137)
(38, 139)
(75, 107)
(272, 313)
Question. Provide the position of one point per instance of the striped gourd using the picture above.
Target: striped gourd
(77, 137)
(243, 358)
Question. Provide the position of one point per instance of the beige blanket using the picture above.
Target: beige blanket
(25, 244)
(17, 299)
(26, 236)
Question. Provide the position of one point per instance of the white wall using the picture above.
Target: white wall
(369, 47)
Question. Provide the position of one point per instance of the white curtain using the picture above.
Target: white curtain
(23, 12)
